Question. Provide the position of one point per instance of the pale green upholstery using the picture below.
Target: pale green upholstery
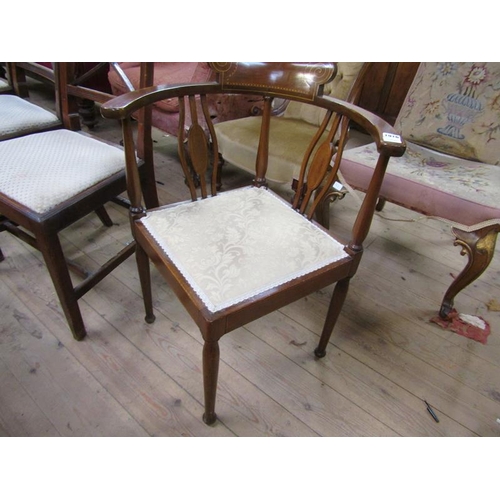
(290, 134)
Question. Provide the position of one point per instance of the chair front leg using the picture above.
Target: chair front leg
(479, 246)
(50, 247)
(211, 356)
(144, 271)
(336, 303)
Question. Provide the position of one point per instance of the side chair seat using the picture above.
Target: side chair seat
(288, 140)
(4, 85)
(236, 245)
(41, 171)
(434, 183)
(20, 117)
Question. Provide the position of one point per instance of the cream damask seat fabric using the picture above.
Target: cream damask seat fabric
(290, 134)
(238, 244)
(20, 117)
(43, 170)
(451, 169)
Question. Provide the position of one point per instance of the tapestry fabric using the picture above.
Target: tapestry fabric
(42, 170)
(238, 244)
(20, 116)
(455, 108)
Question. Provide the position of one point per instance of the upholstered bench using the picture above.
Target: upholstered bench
(451, 169)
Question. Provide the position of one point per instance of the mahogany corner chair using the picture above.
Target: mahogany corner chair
(50, 179)
(235, 256)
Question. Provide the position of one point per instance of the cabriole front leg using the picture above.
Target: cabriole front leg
(479, 246)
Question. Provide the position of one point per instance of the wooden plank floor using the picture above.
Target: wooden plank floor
(128, 378)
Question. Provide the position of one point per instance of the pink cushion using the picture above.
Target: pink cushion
(418, 188)
(164, 73)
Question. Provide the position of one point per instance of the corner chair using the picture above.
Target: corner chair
(451, 169)
(236, 256)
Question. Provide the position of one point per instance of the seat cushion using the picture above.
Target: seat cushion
(288, 140)
(42, 170)
(18, 116)
(240, 243)
(430, 182)
(454, 108)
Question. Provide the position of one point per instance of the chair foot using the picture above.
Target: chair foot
(318, 353)
(150, 318)
(1, 255)
(209, 418)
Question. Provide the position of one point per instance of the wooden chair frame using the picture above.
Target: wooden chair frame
(41, 231)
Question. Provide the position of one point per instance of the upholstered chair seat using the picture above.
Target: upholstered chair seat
(20, 117)
(4, 85)
(236, 245)
(440, 185)
(41, 171)
(290, 133)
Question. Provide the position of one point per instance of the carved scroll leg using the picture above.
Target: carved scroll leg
(144, 270)
(322, 213)
(211, 357)
(338, 298)
(479, 246)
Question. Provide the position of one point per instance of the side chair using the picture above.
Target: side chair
(235, 256)
(51, 179)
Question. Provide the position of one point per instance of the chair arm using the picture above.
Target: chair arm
(384, 135)
(125, 105)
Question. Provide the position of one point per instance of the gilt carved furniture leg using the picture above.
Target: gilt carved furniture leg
(479, 246)
(322, 213)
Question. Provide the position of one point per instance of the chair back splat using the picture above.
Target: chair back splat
(235, 256)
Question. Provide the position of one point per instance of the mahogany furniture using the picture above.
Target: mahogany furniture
(450, 171)
(235, 256)
(50, 179)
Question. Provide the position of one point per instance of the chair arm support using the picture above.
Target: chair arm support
(385, 136)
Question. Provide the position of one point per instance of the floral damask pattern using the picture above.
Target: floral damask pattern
(455, 108)
(237, 244)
